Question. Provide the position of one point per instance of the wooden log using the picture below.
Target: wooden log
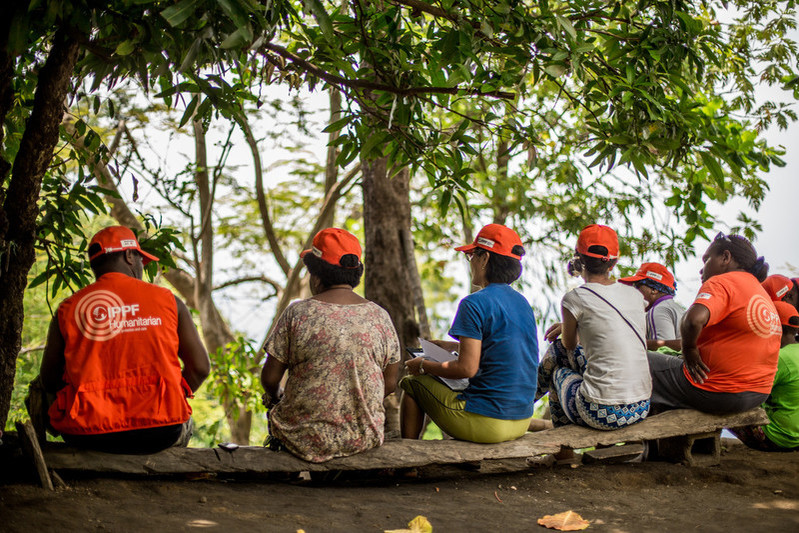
(401, 453)
(31, 448)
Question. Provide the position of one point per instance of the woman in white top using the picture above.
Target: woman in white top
(604, 381)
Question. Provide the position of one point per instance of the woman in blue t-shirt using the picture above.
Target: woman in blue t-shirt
(498, 352)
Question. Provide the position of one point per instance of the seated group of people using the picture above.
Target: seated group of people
(111, 376)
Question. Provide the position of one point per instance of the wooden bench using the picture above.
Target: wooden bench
(681, 435)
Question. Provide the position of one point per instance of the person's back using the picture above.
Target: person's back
(616, 366)
(333, 401)
(740, 342)
(506, 380)
(111, 371)
(341, 353)
(120, 347)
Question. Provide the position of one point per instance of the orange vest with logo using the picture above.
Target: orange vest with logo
(121, 349)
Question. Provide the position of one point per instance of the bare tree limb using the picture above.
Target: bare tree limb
(266, 221)
(248, 279)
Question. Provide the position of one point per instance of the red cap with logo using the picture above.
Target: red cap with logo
(789, 316)
(117, 239)
(653, 271)
(598, 235)
(777, 286)
(331, 244)
(495, 238)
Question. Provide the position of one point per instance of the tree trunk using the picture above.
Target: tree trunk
(387, 222)
(20, 210)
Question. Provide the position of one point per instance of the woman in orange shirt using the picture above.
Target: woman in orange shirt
(730, 337)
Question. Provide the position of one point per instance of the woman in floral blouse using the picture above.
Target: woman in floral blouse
(341, 353)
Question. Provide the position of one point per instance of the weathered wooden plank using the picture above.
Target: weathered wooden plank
(668, 424)
(402, 453)
(30, 445)
(394, 453)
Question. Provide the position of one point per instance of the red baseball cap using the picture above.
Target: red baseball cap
(777, 286)
(653, 271)
(331, 244)
(116, 239)
(598, 235)
(788, 313)
(494, 238)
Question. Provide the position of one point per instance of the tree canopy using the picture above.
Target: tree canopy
(566, 99)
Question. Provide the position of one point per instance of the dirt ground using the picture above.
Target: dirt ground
(749, 491)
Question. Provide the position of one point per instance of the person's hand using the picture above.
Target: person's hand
(413, 366)
(694, 364)
(553, 332)
(449, 346)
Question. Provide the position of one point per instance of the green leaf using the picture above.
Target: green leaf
(555, 70)
(713, 166)
(370, 144)
(567, 26)
(180, 12)
(322, 18)
(125, 48)
(238, 38)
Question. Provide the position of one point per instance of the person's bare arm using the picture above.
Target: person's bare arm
(692, 323)
(271, 374)
(191, 351)
(390, 375)
(53, 362)
(465, 366)
(568, 334)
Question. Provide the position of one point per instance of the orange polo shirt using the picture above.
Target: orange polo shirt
(741, 341)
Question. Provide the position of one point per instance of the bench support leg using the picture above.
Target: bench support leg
(700, 449)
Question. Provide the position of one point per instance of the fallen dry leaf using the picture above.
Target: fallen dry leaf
(420, 524)
(565, 521)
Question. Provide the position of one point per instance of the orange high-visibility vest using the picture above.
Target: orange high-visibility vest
(121, 350)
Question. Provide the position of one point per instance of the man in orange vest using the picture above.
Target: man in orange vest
(113, 357)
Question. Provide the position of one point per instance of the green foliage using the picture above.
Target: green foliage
(233, 380)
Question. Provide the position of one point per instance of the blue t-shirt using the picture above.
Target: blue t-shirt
(504, 386)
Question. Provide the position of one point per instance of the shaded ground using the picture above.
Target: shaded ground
(750, 491)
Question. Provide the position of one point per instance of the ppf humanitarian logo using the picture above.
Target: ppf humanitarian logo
(762, 317)
(102, 315)
(99, 315)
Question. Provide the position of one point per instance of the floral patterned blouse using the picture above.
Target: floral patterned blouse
(332, 405)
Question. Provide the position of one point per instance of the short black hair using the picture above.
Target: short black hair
(597, 265)
(743, 252)
(501, 268)
(103, 260)
(331, 275)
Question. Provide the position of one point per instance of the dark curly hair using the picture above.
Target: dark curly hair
(743, 252)
(349, 273)
(501, 268)
(592, 265)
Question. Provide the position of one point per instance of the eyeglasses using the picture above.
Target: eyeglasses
(721, 236)
(471, 255)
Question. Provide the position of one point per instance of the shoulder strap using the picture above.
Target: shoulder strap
(619, 312)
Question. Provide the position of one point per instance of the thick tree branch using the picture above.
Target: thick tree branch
(339, 81)
(248, 279)
(266, 221)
